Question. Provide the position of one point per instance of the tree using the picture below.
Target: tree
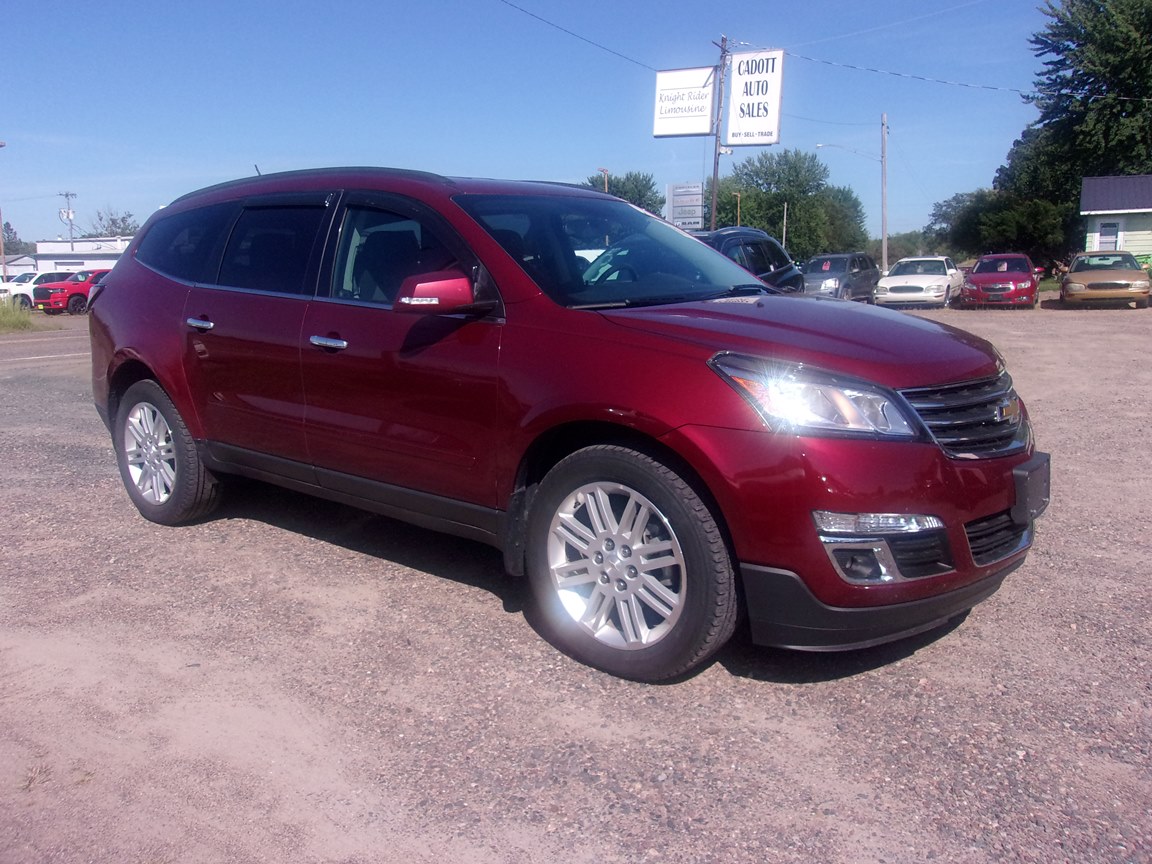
(820, 218)
(944, 216)
(845, 231)
(1094, 95)
(13, 245)
(109, 223)
(905, 245)
(634, 187)
(989, 220)
(792, 172)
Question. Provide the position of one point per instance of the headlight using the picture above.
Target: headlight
(790, 398)
(1139, 285)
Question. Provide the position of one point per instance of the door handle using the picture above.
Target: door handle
(200, 324)
(328, 344)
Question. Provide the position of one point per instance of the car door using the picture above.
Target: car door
(955, 279)
(242, 331)
(400, 406)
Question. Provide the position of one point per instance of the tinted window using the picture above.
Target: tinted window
(181, 245)
(379, 250)
(758, 261)
(270, 248)
(827, 265)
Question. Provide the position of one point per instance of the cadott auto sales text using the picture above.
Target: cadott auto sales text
(746, 69)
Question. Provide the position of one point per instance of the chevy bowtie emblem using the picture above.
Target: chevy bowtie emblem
(1009, 409)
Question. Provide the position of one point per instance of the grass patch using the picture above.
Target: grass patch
(13, 318)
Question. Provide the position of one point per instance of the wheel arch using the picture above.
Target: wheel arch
(557, 443)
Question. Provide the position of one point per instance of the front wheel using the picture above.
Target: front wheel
(22, 302)
(77, 304)
(158, 460)
(629, 570)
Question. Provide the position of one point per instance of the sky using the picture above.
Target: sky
(130, 104)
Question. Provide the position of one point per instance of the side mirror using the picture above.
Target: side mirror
(442, 292)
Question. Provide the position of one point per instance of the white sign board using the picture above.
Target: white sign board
(686, 205)
(754, 105)
(684, 102)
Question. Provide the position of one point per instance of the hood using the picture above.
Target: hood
(998, 277)
(885, 346)
(1085, 277)
(913, 279)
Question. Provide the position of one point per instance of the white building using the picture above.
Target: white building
(89, 253)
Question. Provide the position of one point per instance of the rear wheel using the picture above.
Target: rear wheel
(628, 567)
(158, 460)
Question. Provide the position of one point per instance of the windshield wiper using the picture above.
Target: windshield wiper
(745, 290)
(750, 289)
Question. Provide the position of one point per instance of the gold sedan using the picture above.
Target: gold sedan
(1105, 277)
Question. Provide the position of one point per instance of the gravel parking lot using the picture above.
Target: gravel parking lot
(296, 681)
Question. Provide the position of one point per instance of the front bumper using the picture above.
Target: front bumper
(1012, 297)
(783, 613)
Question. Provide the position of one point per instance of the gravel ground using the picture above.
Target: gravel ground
(295, 681)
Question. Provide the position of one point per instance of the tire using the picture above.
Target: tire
(1142, 303)
(77, 304)
(22, 302)
(632, 618)
(158, 460)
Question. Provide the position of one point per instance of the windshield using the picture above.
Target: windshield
(819, 266)
(592, 252)
(1112, 261)
(918, 268)
(1001, 265)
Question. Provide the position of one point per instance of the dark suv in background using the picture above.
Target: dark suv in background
(757, 252)
(658, 441)
(849, 276)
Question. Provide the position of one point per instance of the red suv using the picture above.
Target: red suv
(655, 439)
(1002, 280)
(71, 295)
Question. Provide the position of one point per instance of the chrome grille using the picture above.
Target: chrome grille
(975, 419)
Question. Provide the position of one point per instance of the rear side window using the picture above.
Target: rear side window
(270, 248)
(182, 245)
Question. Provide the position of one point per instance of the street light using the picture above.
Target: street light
(883, 160)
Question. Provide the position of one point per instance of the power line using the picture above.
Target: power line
(577, 35)
(909, 75)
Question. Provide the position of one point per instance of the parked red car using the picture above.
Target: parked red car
(658, 440)
(1003, 280)
(71, 295)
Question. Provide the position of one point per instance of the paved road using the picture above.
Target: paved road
(69, 342)
(294, 681)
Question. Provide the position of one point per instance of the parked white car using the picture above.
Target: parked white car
(19, 290)
(924, 280)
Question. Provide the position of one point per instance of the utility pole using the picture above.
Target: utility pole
(717, 124)
(884, 192)
(68, 215)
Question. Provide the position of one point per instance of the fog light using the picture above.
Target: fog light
(860, 565)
